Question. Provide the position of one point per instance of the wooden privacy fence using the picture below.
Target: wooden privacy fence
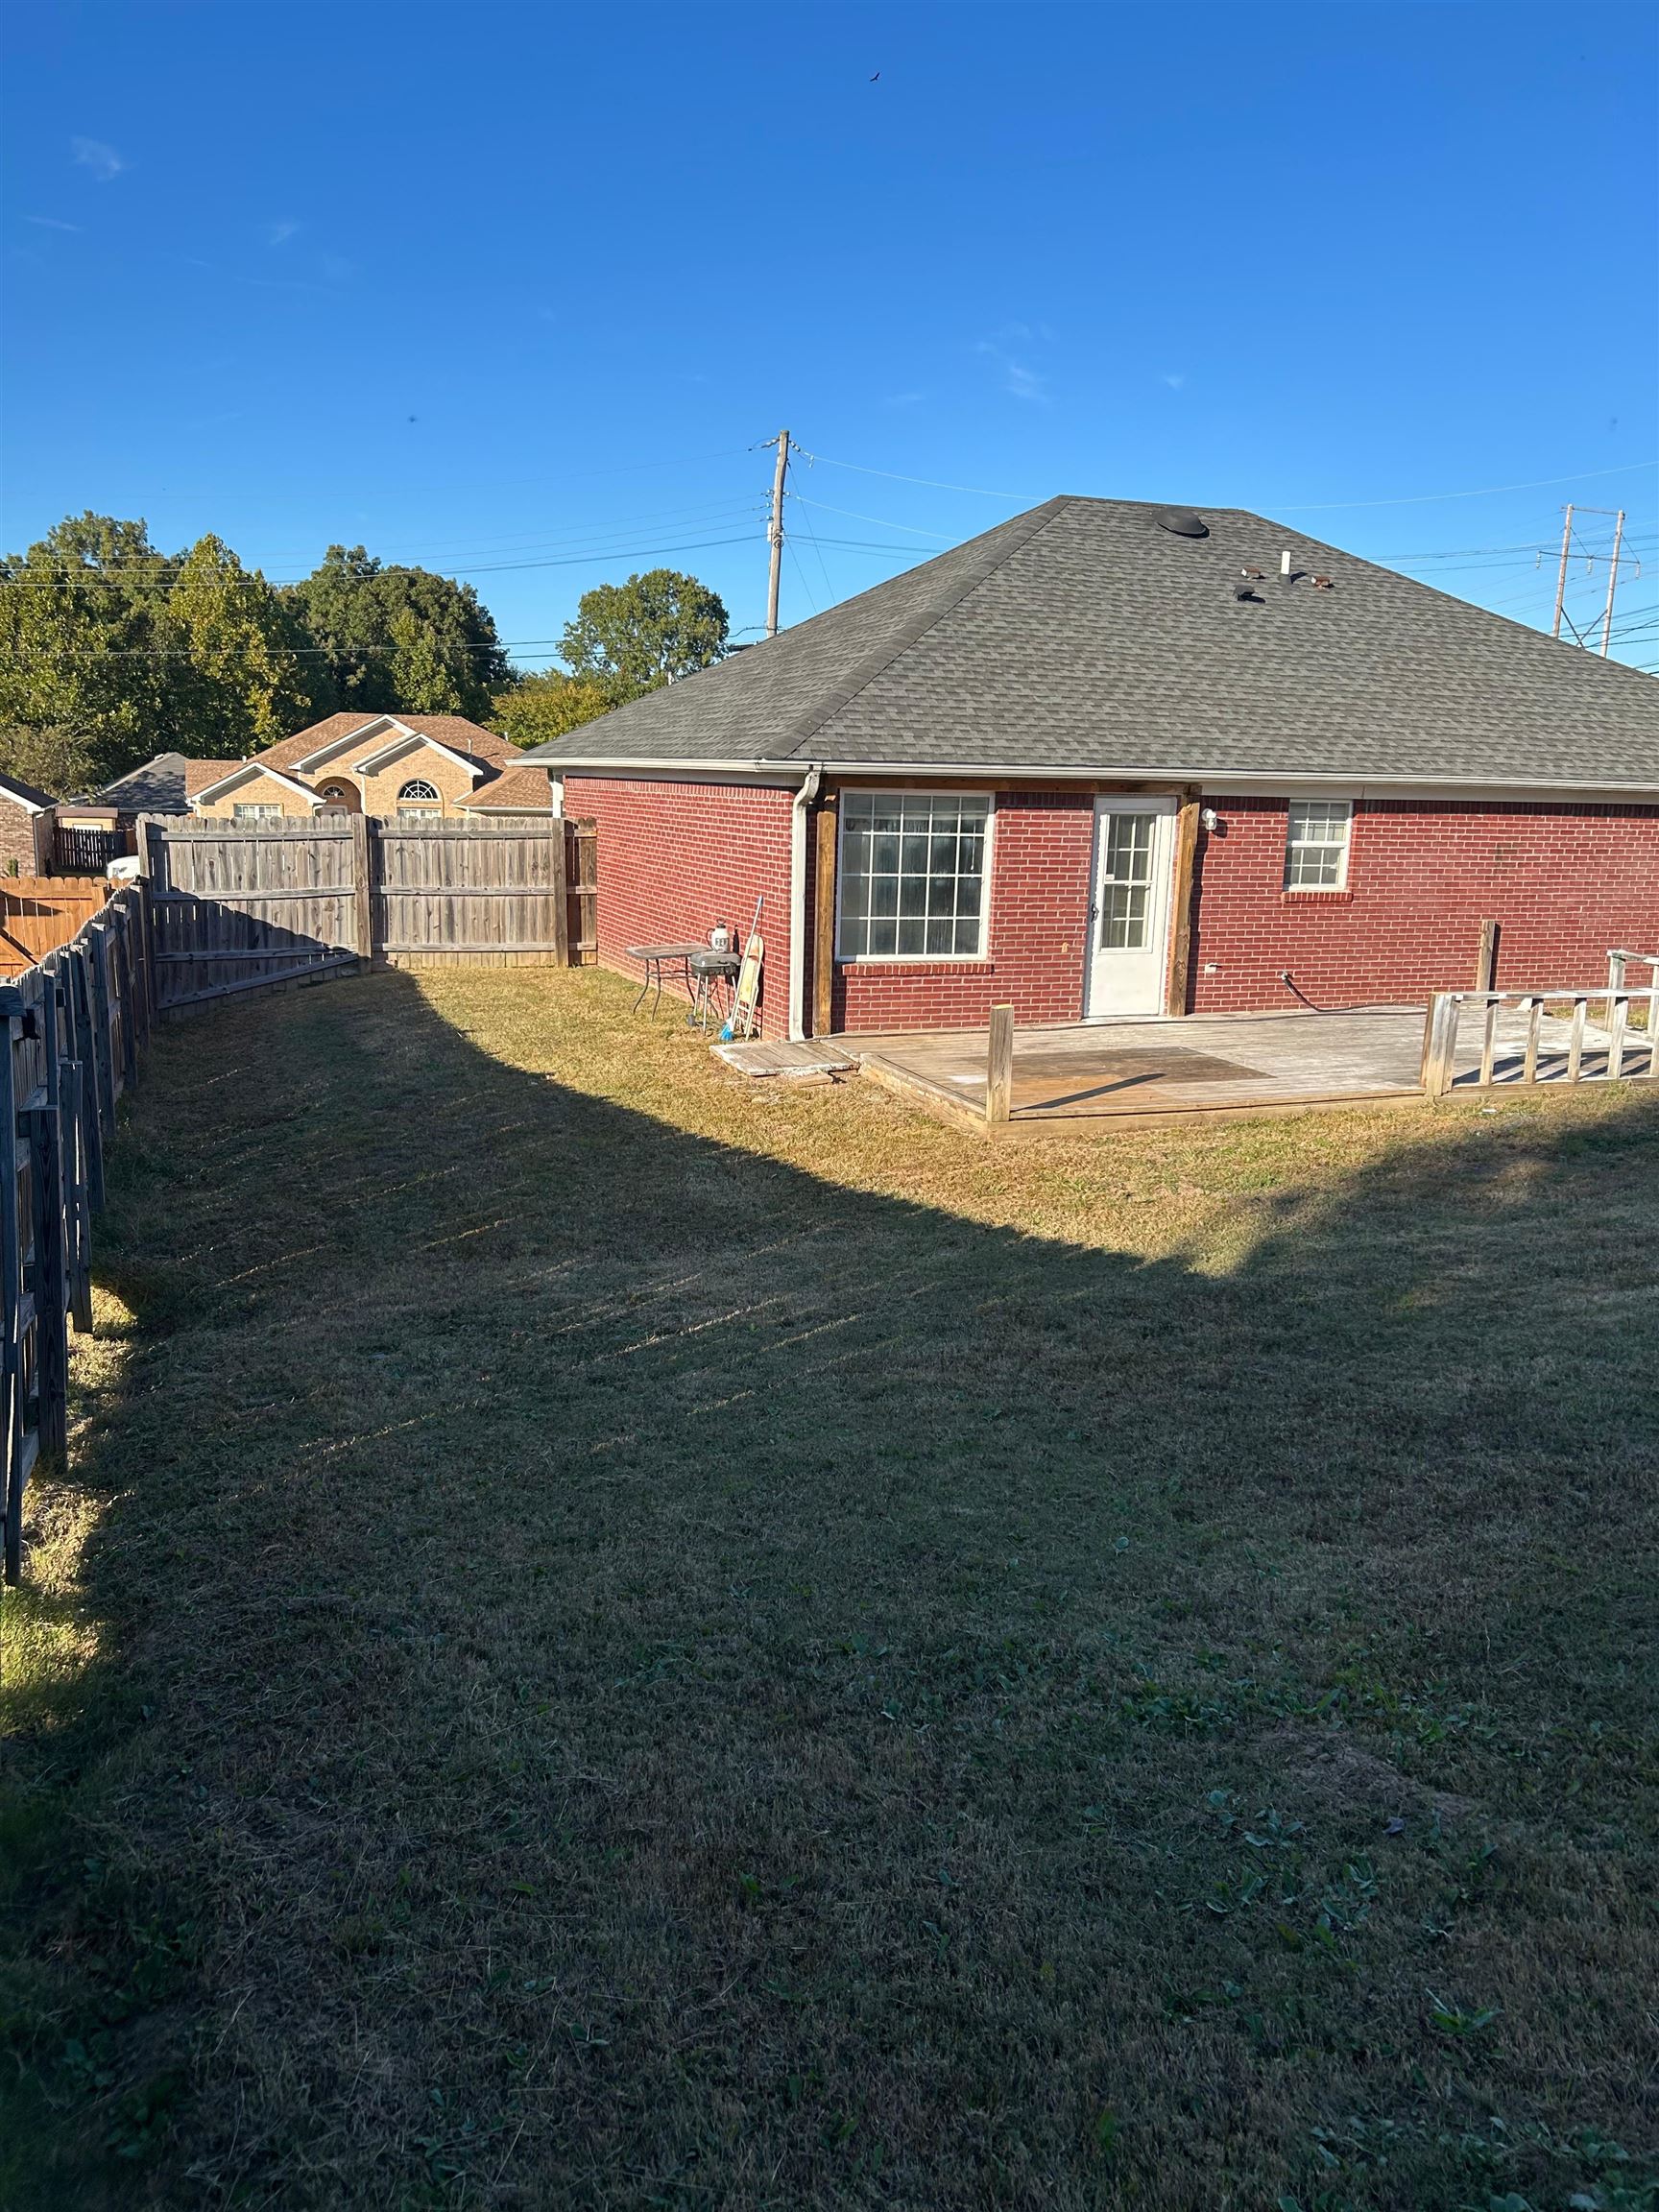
(39, 913)
(235, 907)
(75, 1026)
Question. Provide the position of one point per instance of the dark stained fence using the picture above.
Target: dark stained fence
(87, 852)
(76, 1025)
(237, 908)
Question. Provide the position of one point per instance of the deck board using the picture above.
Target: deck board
(1111, 1072)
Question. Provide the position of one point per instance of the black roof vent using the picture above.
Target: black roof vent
(1182, 522)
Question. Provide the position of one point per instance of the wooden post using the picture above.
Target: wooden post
(51, 1325)
(999, 1070)
(1180, 902)
(72, 1128)
(560, 892)
(1486, 960)
(1617, 962)
(1440, 1044)
(11, 1468)
(98, 1007)
(79, 978)
(827, 828)
(362, 888)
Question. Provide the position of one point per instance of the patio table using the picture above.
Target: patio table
(657, 957)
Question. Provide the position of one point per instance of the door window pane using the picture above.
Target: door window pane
(911, 875)
(1126, 874)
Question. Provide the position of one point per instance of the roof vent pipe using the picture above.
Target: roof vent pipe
(1285, 566)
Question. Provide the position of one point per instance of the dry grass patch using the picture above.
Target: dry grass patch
(630, 1640)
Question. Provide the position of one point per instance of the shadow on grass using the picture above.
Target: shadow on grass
(596, 1666)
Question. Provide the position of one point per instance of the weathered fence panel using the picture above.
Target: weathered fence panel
(488, 894)
(73, 1026)
(239, 908)
(234, 908)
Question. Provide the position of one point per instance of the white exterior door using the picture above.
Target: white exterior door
(1129, 919)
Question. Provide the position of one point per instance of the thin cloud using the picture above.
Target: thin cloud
(104, 163)
(279, 234)
(903, 399)
(1018, 378)
(51, 222)
(336, 267)
(1175, 378)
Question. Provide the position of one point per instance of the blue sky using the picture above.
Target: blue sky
(514, 290)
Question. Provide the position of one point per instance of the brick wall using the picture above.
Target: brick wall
(1564, 881)
(19, 839)
(676, 859)
(1041, 844)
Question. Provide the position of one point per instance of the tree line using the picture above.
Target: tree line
(111, 650)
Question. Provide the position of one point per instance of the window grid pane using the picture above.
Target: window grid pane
(1316, 844)
(911, 875)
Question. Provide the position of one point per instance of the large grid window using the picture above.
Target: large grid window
(912, 875)
(1316, 851)
(253, 812)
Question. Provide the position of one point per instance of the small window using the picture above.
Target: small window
(254, 814)
(1316, 851)
(418, 802)
(912, 875)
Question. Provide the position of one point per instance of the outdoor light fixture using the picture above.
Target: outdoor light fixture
(1209, 818)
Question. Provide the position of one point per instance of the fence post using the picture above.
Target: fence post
(999, 1066)
(560, 892)
(11, 1468)
(363, 887)
(51, 1330)
(1486, 963)
(1440, 1043)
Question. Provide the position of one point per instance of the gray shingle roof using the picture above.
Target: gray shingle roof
(1083, 637)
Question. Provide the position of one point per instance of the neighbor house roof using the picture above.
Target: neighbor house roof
(163, 785)
(28, 796)
(1087, 637)
(454, 732)
(520, 790)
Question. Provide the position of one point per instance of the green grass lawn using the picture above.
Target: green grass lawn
(623, 1639)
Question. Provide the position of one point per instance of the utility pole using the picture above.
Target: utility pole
(1612, 582)
(774, 533)
(1561, 577)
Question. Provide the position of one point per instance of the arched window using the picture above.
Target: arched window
(418, 802)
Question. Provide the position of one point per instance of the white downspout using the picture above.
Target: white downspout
(804, 799)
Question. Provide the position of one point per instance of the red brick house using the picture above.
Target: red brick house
(1110, 759)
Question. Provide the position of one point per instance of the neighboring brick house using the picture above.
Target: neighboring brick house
(1112, 759)
(25, 827)
(410, 766)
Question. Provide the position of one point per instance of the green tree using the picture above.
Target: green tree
(234, 673)
(541, 707)
(82, 673)
(391, 638)
(645, 632)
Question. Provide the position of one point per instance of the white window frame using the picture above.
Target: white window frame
(253, 813)
(1331, 811)
(917, 959)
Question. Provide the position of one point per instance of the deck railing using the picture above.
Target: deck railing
(1539, 1056)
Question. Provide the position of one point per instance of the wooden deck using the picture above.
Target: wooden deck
(1106, 1074)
